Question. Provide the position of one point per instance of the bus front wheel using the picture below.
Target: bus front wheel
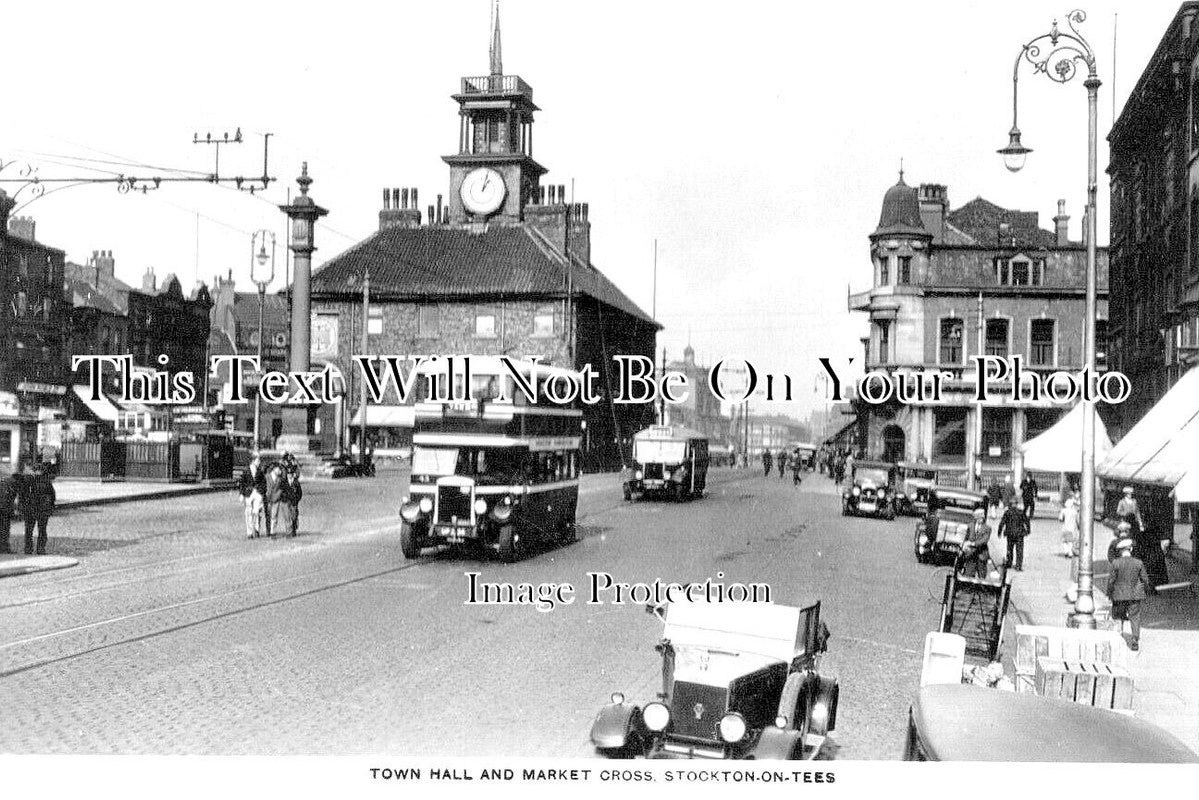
(410, 541)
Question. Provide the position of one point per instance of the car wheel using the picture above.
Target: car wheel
(410, 541)
(567, 533)
(633, 747)
(509, 544)
(628, 493)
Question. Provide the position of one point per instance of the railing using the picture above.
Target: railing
(497, 84)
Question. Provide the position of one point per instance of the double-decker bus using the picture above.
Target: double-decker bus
(499, 470)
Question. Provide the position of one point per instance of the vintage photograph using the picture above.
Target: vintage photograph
(601, 383)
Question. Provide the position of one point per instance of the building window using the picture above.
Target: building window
(884, 270)
(428, 320)
(374, 321)
(5, 447)
(485, 325)
(997, 433)
(45, 309)
(905, 269)
(1040, 338)
(1194, 234)
(997, 337)
(543, 322)
(950, 341)
(949, 433)
(884, 342)
(1020, 271)
(22, 303)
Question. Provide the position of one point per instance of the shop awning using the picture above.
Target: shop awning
(1161, 448)
(1059, 449)
(103, 408)
(386, 417)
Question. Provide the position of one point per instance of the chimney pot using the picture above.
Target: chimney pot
(415, 202)
(386, 200)
(561, 193)
(404, 198)
(432, 216)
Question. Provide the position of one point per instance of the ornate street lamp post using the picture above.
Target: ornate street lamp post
(1063, 52)
(262, 272)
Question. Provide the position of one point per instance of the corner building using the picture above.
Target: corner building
(948, 285)
(501, 268)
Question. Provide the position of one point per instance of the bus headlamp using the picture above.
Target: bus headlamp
(638, 475)
(502, 510)
(857, 491)
(426, 505)
(480, 506)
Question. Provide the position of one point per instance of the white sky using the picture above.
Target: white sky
(754, 139)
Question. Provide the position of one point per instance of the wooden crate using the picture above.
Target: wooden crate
(1034, 642)
(1088, 683)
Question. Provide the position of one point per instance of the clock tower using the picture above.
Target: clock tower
(493, 174)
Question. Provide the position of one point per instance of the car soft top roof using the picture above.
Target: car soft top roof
(953, 491)
(959, 722)
(766, 629)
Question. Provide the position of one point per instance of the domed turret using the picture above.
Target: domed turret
(901, 212)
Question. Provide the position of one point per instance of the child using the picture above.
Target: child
(1069, 518)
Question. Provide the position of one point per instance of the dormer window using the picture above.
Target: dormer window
(1020, 271)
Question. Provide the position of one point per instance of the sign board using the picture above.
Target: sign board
(9, 405)
(324, 336)
(994, 452)
(40, 388)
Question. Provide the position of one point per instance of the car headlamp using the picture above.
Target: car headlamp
(732, 727)
(857, 491)
(426, 505)
(638, 475)
(480, 506)
(656, 716)
(780, 721)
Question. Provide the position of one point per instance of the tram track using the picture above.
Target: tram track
(47, 649)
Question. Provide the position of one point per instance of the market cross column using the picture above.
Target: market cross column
(303, 214)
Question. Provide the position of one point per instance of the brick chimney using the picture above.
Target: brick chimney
(103, 263)
(149, 282)
(1062, 224)
(934, 201)
(563, 224)
(23, 228)
(401, 209)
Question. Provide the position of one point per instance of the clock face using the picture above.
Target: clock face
(483, 190)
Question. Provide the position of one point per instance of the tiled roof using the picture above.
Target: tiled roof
(901, 211)
(90, 298)
(980, 220)
(454, 262)
(274, 309)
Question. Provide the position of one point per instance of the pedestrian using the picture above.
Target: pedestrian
(1028, 493)
(1069, 518)
(1014, 528)
(839, 472)
(796, 470)
(37, 501)
(10, 488)
(1127, 584)
(782, 462)
(252, 489)
(273, 504)
(767, 462)
(994, 496)
(1007, 492)
(293, 493)
(974, 560)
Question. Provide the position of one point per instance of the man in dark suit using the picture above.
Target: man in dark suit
(1028, 493)
(1126, 585)
(1014, 527)
(37, 503)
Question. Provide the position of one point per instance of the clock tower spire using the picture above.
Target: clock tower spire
(493, 175)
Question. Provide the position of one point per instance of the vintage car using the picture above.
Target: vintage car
(955, 512)
(915, 482)
(959, 722)
(739, 680)
(805, 455)
(872, 490)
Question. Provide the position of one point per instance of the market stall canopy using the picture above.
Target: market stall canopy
(1160, 449)
(102, 408)
(386, 416)
(1059, 449)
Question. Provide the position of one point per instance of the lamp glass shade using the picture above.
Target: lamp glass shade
(1015, 154)
(262, 268)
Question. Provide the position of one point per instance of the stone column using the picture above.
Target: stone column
(303, 214)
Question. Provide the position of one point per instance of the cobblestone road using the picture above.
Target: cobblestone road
(177, 635)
